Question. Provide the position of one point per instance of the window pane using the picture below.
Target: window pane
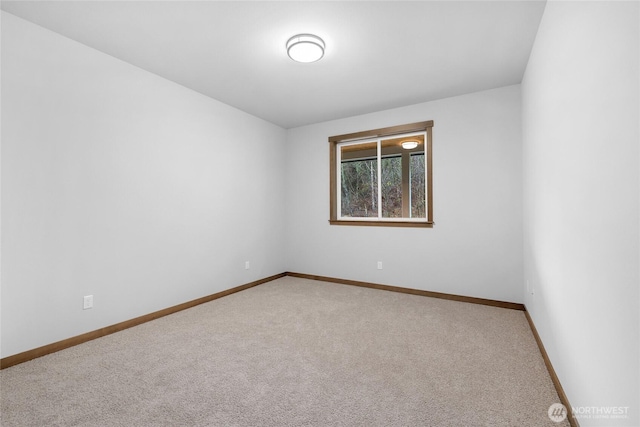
(359, 181)
(418, 204)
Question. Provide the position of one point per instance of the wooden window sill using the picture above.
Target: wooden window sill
(400, 223)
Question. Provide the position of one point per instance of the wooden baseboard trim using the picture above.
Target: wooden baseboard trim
(453, 297)
(552, 373)
(79, 339)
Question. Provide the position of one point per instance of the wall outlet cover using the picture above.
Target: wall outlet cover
(88, 302)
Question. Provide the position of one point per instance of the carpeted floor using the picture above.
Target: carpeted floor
(295, 352)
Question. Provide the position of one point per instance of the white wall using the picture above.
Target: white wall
(475, 247)
(123, 185)
(581, 136)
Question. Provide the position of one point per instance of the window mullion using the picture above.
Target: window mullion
(339, 182)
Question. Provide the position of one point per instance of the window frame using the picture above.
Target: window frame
(363, 136)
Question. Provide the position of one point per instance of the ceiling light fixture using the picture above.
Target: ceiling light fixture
(305, 48)
(409, 145)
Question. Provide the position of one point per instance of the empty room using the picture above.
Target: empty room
(299, 213)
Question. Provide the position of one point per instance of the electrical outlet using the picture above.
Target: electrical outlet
(88, 302)
(247, 265)
(379, 265)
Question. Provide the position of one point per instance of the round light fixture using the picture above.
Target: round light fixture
(409, 145)
(305, 48)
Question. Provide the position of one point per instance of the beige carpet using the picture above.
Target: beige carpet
(295, 352)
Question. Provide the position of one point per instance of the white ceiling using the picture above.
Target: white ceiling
(379, 55)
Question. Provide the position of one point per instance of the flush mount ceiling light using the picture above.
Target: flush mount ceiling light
(305, 48)
(409, 145)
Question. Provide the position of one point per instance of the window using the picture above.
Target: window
(382, 177)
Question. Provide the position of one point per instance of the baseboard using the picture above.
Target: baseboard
(552, 372)
(70, 342)
(453, 297)
(79, 339)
